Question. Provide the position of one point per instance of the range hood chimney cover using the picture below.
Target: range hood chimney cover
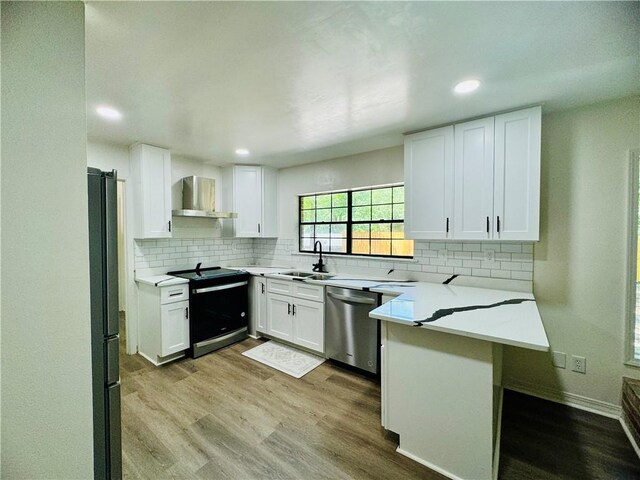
(199, 199)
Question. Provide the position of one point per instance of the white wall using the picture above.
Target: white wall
(580, 261)
(372, 168)
(46, 357)
(109, 156)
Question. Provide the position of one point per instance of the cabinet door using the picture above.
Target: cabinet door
(308, 318)
(517, 175)
(279, 310)
(428, 184)
(247, 193)
(260, 295)
(473, 215)
(175, 327)
(269, 225)
(155, 173)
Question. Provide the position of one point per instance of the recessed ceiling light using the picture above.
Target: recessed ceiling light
(467, 86)
(242, 152)
(109, 113)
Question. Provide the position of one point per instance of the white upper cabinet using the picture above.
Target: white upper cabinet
(151, 176)
(428, 188)
(478, 180)
(473, 182)
(516, 193)
(251, 192)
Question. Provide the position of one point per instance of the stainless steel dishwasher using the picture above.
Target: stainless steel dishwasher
(351, 336)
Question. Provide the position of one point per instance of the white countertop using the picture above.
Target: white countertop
(162, 280)
(516, 324)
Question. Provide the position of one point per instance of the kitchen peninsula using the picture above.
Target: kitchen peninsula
(442, 370)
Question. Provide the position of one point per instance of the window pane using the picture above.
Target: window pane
(361, 198)
(306, 231)
(381, 212)
(309, 202)
(361, 230)
(323, 201)
(306, 243)
(402, 248)
(339, 200)
(308, 216)
(380, 247)
(323, 215)
(360, 246)
(339, 245)
(381, 195)
(398, 212)
(398, 194)
(359, 214)
(323, 230)
(380, 230)
(339, 230)
(397, 230)
(339, 215)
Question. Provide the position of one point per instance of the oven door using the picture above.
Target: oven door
(218, 312)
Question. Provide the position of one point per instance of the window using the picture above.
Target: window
(634, 262)
(356, 222)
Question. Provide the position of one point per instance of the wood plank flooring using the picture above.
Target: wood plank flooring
(224, 416)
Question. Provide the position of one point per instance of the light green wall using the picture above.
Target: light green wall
(580, 261)
(46, 361)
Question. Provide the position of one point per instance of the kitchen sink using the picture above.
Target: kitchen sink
(297, 274)
(321, 276)
(309, 275)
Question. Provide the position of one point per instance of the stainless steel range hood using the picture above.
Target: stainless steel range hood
(199, 199)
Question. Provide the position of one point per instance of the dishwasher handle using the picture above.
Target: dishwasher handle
(345, 298)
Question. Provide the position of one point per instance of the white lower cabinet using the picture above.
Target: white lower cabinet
(163, 333)
(309, 324)
(294, 319)
(258, 306)
(280, 317)
(175, 327)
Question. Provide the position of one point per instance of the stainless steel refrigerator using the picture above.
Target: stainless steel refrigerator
(103, 260)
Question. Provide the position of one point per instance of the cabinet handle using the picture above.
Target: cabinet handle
(262, 286)
(186, 313)
(487, 224)
(169, 225)
(288, 309)
(258, 228)
(294, 309)
(447, 224)
(498, 224)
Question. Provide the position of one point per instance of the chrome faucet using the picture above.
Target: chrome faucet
(318, 267)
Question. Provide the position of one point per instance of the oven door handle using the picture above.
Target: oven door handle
(195, 291)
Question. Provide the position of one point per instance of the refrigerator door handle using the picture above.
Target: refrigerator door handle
(115, 440)
(111, 254)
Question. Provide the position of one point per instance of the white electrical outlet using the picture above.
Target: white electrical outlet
(559, 359)
(578, 364)
(489, 255)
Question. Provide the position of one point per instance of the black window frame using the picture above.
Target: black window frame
(350, 222)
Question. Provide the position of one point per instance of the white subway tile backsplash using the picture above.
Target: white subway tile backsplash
(511, 260)
(511, 247)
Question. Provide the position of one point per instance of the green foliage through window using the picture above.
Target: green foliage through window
(359, 222)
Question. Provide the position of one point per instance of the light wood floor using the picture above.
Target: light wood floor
(224, 416)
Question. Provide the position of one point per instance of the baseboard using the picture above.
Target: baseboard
(429, 465)
(565, 398)
(626, 428)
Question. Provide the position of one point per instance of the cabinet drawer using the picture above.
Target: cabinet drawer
(283, 287)
(176, 293)
(309, 292)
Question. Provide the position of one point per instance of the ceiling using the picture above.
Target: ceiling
(297, 82)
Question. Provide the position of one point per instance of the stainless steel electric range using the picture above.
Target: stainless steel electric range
(218, 304)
